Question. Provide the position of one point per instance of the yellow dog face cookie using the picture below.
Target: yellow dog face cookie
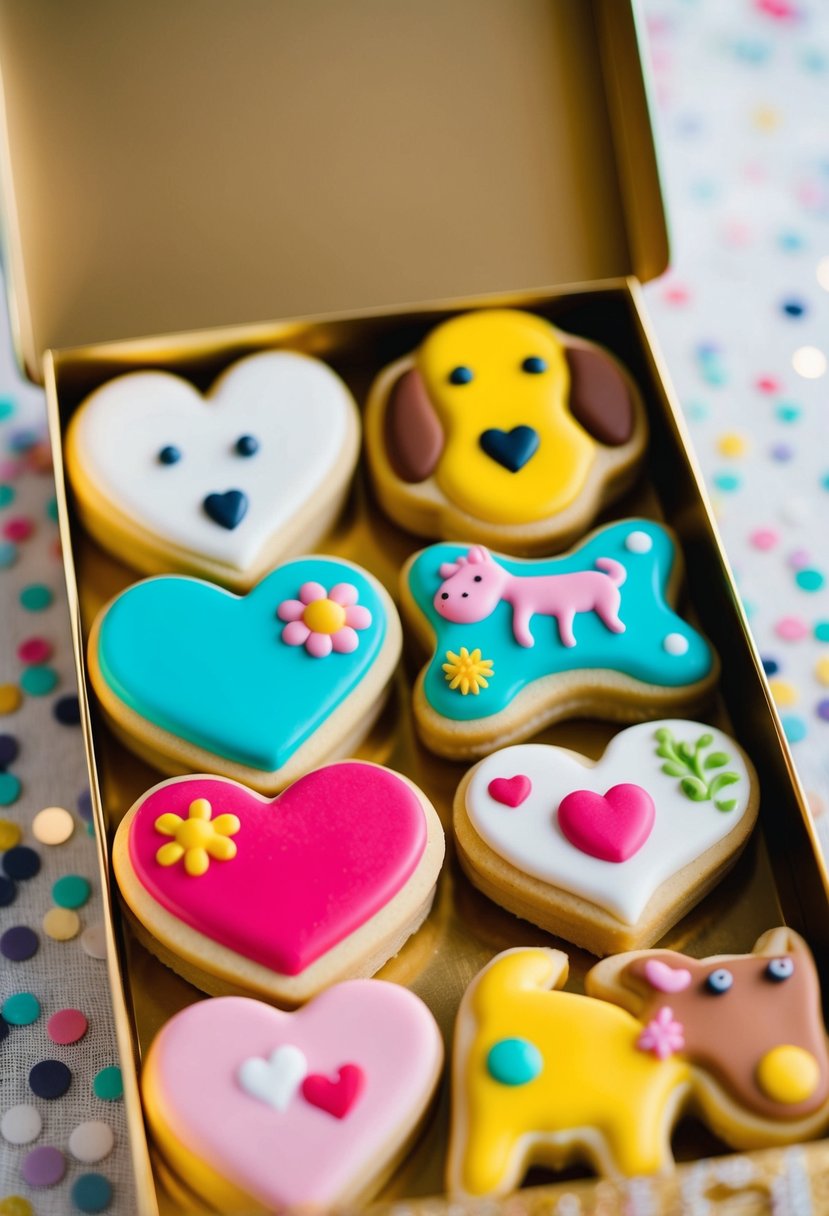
(501, 428)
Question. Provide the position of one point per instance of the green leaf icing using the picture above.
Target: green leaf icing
(689, 762)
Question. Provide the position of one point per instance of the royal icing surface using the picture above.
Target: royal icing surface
(307, 869)
(215, 669)
(295, 1152)
(602, 606)
(216, 475)
(684, 825)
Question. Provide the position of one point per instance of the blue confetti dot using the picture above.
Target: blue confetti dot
(727, 482)
(790, 241)
(21, 863)
(50, 1079)
(514, 1061)
(809, 580)
(787, 411)
(782, 452)
(91, 1193)
(8, 554)
(7, 408)
(6, 495)
(794, 308)
(23, 441)
(704, 190)
(822, 631)
(822, 709)
(697, 411)
(770, 666)
(9, 789)
(794, 728)
(21, 1009)
(8, 891)
(814, 60)
(39, 681)
(67, 710)
(9, 750)
(751, 50)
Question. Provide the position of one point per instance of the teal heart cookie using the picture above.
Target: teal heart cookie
(191, 675)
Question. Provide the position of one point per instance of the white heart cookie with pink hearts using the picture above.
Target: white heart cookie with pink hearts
(608, 852)
(258, 1109)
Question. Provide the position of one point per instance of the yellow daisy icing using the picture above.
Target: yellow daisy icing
(196, 838)
(467, 671)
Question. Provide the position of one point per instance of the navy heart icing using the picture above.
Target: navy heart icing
(512, 449)
(228, 509)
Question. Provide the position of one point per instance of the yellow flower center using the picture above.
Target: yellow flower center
(324, 616)
(194, 833)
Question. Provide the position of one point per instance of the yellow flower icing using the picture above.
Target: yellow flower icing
(197, 838)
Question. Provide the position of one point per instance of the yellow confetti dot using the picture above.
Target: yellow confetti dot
(9, 702)
(61, 924)
(16, 1205)
(766, 118)
(53, 825)
(731, 444)
(9, 835)
(784, 693)
(822, 670)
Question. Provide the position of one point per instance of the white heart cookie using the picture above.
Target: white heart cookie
(698, 797)
(277, 1079)
(163, 481)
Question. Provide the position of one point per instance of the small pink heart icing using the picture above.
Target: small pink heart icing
(664, 978)
(611, 826)
(335, 1097)
(511, 791)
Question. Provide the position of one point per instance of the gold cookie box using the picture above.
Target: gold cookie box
(334, 177)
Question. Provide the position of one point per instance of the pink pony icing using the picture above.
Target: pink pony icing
(475, 585)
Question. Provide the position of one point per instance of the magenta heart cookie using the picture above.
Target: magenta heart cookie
(213, 1070)
(611, 826)
(287, 895)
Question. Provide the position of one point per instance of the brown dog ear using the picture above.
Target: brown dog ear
(599, 396)
(414, 435)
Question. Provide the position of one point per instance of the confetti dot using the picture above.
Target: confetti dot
(93, 941)
(798, 559)
(22, 440)
(794, 308)
(784, 693)
(791, 242)
(36, 597)
(727, 482)
(809, 580)
(822, 671)
(9, 835)
(675, 644)
(731, 444)
(8, 554)
(767, 384)
(67, 710)
(787, 411)
(91, 1193)
(9, 698)
(8, 892)
(770, 666)
(50, 1079)
(822, 710)
(822, 631)
(638, 542)
(21, 863)
(6, 495)
(9, 789)
(19, 944)
(809, 362)
(35, 650)
(67, 1026)
(4, 1028)
(43, 1166)
(16, 1205)
(794, 728)
(71, 891)
(764, 539)
(39, 681)
(17, 529)
(791, 629)
(53, 825)
(781, 452)
(108, 1084)
(21, 1124)
(8, 750)
(92, 1141)
(21, 1009)
(85, 805)
(61, 924)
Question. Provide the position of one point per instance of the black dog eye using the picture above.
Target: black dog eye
(478, 578)
(719, 981)
(169, 455)
(780, 969)
(247, 445)
(461, 375)
(534, 365)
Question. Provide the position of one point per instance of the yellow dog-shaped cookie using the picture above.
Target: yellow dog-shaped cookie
(502, 429)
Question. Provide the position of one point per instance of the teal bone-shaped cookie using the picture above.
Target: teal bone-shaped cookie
(657, 645)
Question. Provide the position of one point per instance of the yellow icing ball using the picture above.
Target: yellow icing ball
(788, 1074)
(731, 444)
(324, 616)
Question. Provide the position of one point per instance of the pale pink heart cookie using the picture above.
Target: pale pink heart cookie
(372, 1056)
(280, 897)
(608, 854)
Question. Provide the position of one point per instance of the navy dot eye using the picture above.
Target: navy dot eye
(534, 365)
(246, 445)
(169, 455)
(461, 375)
(719, 981)
(478, 578)
(780, 969)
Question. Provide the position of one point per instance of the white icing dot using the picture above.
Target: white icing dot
(675, 643)
(93, 941)
(92, 1141)
(638, 542)
(21, 1124)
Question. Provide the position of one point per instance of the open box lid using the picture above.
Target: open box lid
(175, 165)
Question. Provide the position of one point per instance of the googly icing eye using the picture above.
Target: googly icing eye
(461, 375)
(534, 365)
(169, 454)
(719, 981)
(478, 578)
(247, 445)
(780, 969)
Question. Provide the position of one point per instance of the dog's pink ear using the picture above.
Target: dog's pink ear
(478, 554)
(599, 396)
(414, 435)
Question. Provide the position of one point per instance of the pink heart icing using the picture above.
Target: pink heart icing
(297, 1157)
(611, 826)
(664, 978)
(309, 868)
(334, 1096)
(511, 791)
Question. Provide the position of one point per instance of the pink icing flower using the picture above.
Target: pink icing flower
(323, 621)
(663, 1036)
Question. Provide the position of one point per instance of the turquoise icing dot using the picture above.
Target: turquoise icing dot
(52, 509)
(21, 1009)
(36, 597)
(7, 408)
(727, 482)
(8, 554)
(790, 241)
(38, 681)
(514, 1061)
(794, 728)
(92, 1193)
(822, 631)
(71, 891)
(809, 580)
(6, 495)
(108, 1084)
(9, 789)
(787, 411)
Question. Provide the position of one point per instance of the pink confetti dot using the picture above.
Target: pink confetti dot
(798, 559)
(67, 1026)
(10, 469)
(767, 384)
(676, 295)
(34, 650)
(791, 628)
(19, 528)
(781, 10)
(764, 538)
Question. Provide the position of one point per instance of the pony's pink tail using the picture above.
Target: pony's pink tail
(613, 569)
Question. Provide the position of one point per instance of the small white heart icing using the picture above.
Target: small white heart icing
(529, 837)
(275, 1080)
(296, 407)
